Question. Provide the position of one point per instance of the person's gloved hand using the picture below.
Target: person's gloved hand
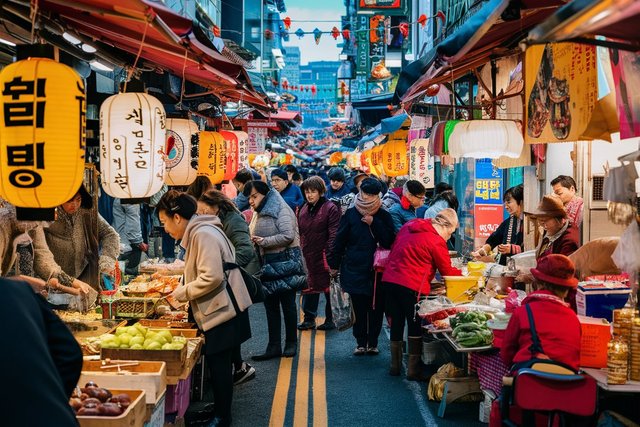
(144, 247)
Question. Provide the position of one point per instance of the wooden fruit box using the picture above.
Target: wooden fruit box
(187, 333)
(148, 376)
(159, 323)
(134, 416)
(174, 358)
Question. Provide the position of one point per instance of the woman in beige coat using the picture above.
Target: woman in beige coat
(218, 297)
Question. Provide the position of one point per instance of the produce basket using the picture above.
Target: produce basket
(129, 307)
(134, 416)
(174, 359)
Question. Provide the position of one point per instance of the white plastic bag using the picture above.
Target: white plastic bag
(626, 253)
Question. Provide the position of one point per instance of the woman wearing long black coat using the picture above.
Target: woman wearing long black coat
(362, 228)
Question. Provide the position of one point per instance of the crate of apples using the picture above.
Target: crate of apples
(138, 337)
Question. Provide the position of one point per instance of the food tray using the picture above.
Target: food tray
(159, 323)
(148, 376)
(129, 308)
(460, 349)
(174, 358)
(134, 416)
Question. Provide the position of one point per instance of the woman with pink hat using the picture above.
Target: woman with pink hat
(555, 324)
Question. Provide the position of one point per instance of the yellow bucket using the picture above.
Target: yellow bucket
(461, 288)
(476, 268)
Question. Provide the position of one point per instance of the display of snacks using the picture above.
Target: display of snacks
(617, 361)
(622, 322)
(76, 316)
(634, 369)
(155, 266)
(151, 286)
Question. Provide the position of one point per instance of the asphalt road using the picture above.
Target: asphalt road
(326, 385)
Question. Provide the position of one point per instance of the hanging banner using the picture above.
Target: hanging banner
(377, 160)
(394, 155)
(421, 163)
(243, 154)
(624, 66)
(488, 209)
(257, 139)
(561, 89)
(362, 37)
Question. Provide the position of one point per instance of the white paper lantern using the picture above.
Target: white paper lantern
(486, 139)
(181, 151)
(421, 162)
(132, 139)
(243, 149)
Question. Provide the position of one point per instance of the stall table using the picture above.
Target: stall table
(600, 375)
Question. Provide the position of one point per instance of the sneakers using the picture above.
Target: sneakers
(244, 374)
(373, 351)
(326, 326)
(360, 351)
(306, 325)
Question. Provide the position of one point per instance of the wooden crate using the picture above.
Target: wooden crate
(174, 358)
(129, 308)
(159, 323)
(148, 376)
(187, 333)
(134, 416)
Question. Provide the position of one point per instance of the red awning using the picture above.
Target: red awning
(169, 42)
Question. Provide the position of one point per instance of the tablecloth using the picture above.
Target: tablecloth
(490, 369)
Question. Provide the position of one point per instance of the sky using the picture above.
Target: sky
(315, 10)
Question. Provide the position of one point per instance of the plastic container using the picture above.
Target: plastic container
(599, 299)
(178, 398)
(461, 288)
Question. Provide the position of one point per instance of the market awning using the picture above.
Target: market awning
(483, 36)
(162, 38)
(582, 20)
(281, 115)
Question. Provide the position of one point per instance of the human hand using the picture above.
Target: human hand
(368, 219)
(81, 286)
(257, 240)
(39, 286)
(504, 249)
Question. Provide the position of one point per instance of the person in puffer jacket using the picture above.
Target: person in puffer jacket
(274, 229)
(419, 250)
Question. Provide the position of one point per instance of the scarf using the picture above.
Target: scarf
(368, 208)
(547, 241)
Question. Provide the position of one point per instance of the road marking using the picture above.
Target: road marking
(319, 383)
(301, 405)
(279, 405)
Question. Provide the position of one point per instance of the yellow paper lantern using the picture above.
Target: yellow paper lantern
(243, 149)
(212, 158)
(395, 161)
(132, 140)
(42, 133)
(335, 158)
(231, 146)
(377, 159)
(181, 152)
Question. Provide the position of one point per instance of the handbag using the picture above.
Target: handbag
(253, 283)
(380, 259)
(341, 307)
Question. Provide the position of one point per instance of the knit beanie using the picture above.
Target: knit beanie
(371, 186)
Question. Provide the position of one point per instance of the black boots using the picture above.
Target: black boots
(414, 368)
(396, 358)
(290, 348)
(273, 351)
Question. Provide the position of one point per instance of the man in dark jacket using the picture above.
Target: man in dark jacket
(337, 188)
(289, 192)
(41, 360)
(362, 228)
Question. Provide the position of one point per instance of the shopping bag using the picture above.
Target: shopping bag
(341, 307)
(380, 258)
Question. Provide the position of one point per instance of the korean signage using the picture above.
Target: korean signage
(380, 4)
(421, 163)
(362, 38)
(257, 139)
(561, 89)
(488, 209)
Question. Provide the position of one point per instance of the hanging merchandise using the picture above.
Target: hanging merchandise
(215, 30)
(42, 131)
(212, 157)
(421, 163)
(287, 22)
(300, 33)
(231, 150)
(313, 89)
(243, 149)
(422, 20)
(268, 34)
(335, 158)
(335, 33)
(181, 152)
(132, 140)
(404, 29)
(485, 139)
(394, 155)
(316, 35)
(365, 161)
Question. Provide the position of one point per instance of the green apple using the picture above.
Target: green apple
(125, 339)
(121, 330)
(108, 344)
(106, 337)
(138, 339)
(150, 334)
(179, 339)
(124, 345)
(136, 347)
(159, 339)
(166, 334)
(154, 345)
(176, 346)
(143, 330)
(133, 331)
(167, 346)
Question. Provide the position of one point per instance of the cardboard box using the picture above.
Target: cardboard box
(596, 334)
(599, 299)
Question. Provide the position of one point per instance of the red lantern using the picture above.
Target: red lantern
(268, 34)
(346, 34)
(287, 22)
(433, 90)
(422, 20)
(216, 30)
(335, 33)
(404, 29)
(313, 89)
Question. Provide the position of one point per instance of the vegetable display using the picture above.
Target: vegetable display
(470, 329)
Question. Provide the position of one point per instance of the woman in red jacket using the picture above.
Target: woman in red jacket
(557, 326)
(419, 250)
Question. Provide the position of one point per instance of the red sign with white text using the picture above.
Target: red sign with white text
(487, 219)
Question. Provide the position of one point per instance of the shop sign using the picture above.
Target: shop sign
(488, 188)
(421, 163)
(362, 37)
(487, 220)
(257, 139)
(380, 4)
(624, 66)
(561, 89)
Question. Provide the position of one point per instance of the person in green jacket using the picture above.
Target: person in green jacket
(214, 202)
